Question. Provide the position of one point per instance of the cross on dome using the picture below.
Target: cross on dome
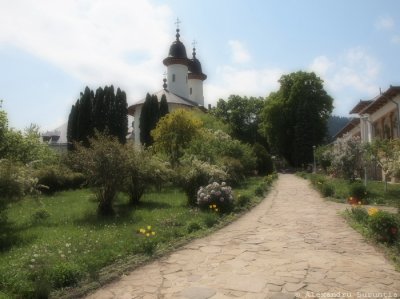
(177, 23)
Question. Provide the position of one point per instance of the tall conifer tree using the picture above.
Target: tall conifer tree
(145, 121)
(164, 110)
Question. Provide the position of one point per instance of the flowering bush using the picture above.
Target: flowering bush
(216, 194)
(384, 225)
(347, 157)
(194, 174)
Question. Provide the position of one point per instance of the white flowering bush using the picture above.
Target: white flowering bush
(218, 196)
(347, 158)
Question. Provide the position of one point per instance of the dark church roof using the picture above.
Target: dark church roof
(177, 52)
(171, 98)
(195, 71)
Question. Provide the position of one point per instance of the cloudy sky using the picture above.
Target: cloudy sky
(51, 49)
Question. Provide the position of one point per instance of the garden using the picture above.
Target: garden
(374, 205)
(72, 222)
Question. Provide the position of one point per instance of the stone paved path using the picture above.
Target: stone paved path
(293, 244)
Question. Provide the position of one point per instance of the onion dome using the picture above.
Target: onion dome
(177, 52)
(195, 71)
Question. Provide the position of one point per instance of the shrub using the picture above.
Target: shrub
(58, 178)
(260, 190)
(359, 214)
(358, 191)
(327, 190)
(242, 200)
(194, 174)
(269, 179)
(104, 164)
(216, 194)
(385, 226)
(234, 170)
(65, 275)
(144, 170)
(210, 219)
(264, 163)
(193, 226)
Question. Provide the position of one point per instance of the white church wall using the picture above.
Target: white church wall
(196, 91)
(177, 80)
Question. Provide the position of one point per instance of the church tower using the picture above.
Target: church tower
(177, 68)
(196, 78)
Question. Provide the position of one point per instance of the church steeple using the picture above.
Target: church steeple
(196, 78)
(177, 66)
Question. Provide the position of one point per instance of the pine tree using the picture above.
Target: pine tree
(164, 110)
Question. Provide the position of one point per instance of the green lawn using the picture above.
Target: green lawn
(72, 245)
(375, 190)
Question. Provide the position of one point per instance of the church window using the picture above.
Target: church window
(173, 77)
(186, 79)
(190, 90)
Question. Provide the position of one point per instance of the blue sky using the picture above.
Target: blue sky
(51, 49)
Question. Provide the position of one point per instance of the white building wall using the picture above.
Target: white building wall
(136, 128)
(196, 91)
(177, 77)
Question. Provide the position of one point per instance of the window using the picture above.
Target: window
(173, 77)
(190, 90)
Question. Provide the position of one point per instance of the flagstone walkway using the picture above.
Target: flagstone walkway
(294, 244)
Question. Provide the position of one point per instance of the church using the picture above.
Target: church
(183, 85)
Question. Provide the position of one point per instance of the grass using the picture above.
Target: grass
(375, 190)
(58, 241)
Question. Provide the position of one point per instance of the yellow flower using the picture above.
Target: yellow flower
(153, 233)
(147, 235)
(211, 206)
(216, 210)
(214, 206)
(359, 202)
(372, 211)
(149, 227)
(142, 230)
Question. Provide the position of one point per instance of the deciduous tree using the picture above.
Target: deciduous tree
(295, 117)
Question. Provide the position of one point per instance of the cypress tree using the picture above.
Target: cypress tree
(121, 113)
(85, 128)
(155, 112)
(164, 110)
(99, 110)
(104, 111)
(72, 125)
(144, 121)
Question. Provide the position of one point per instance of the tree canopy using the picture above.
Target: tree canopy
(294, 118)
(174, 133)
(242, 114)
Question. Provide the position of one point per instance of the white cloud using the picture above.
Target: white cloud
(244, 82)
(396, 39)
(350, 76)
(321, 65)
(91, 40)
(239, 52)
(384, 23)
